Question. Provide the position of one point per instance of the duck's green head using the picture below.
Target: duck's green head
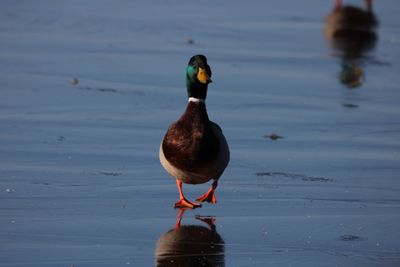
(198, 76)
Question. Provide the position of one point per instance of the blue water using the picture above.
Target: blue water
(80, 180)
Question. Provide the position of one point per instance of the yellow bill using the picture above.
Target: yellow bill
(202, 76)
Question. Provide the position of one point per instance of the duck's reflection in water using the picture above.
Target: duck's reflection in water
(191, 245)
(351, 31)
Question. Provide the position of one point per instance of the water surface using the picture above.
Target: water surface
(80, 181)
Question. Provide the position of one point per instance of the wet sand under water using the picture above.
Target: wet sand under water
(314, 172)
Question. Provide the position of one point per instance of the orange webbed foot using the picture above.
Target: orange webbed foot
(184, 203)
(209, 196)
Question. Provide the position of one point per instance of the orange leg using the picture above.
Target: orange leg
(183, 202)
(209, 196)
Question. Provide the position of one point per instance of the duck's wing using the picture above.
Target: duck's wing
(223, 151)
(216, 126)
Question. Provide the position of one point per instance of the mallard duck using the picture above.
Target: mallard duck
(194, 149)
(351, 31)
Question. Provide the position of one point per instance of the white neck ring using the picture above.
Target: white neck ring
(196, 100)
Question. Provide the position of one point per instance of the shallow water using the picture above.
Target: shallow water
(80, 181)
